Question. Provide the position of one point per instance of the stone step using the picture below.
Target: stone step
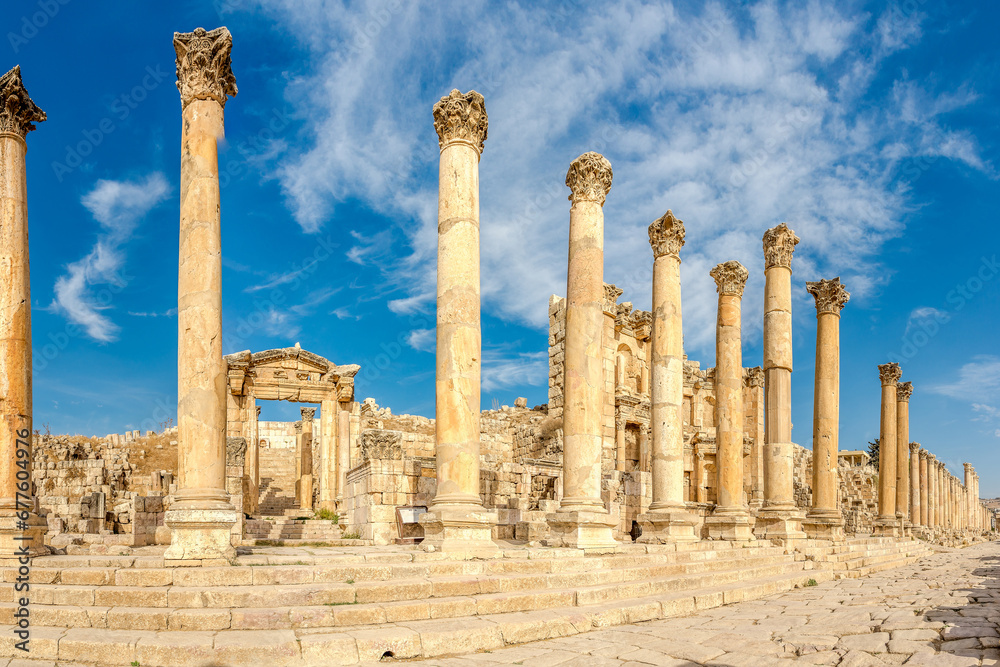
(314, 647)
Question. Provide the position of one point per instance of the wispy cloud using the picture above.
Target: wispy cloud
(423, 340)
(502, 369)
(737, 118)
(977, 380)
(119, 207)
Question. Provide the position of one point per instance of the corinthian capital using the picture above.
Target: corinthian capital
(914, 449)
(204, 68)
(903, 391)
(308, 413)
(889, 373)
(730, 277)
(18, 113)
(753, 377)
(779, 244)
(459, 117)
(589, 178)
(830, 295)
(666, 235)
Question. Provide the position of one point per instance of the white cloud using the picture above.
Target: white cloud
(503, 369)
(119, 207)
(423, 340)
(926, 318)
(977, 380)
(737, 119)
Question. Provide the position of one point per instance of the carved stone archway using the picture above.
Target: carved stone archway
(296, 375)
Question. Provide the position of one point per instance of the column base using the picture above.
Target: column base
(666, 526)
(886, 527)
(824, 525)
(730, 525)
(14, 539)
(460, 528)
(779, 524)
(200, 535)
(578, 529)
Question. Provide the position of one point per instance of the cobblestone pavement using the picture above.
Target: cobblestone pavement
(943, 611)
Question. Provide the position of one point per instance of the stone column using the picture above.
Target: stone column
(620, 444)
(903, 392)
(582, 520)
(932, 502)
(701, 490)
(938, 496)
(201, 516)
(328, 454)
(306, 481)
(779, 518)
(886, 524)
(667, 518)
(968, 507)
(915, 483)
(343, 449)
(824, 520)
(731, 518)
(20, 527)
(457, 519)
(924, 488)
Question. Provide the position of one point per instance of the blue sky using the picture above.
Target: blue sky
(870, 128)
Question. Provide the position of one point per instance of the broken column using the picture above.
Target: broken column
(457, 519)
(306, 480)
(667, 518)
(886, 524)
(779, 518)
(201, 517)
(20, 527)
(582, 521)
(824, 519)
(903, 392)
(731, 518)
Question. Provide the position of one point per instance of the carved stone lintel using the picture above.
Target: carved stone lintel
(459, 117)
(307, 413)
(730, 277)
(18, 112)
(236, 448)
(589, 178)
(666, 235)
(204, 66)
(753, 377)
(378, 444)
(889, 373)
(830, 295)
(903, 391)
(779, 244)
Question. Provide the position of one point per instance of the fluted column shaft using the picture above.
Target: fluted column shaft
(903, 393)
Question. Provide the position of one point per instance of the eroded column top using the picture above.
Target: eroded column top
(589, 178)
(730, 278)
(903, 391)
(204, 66)
(462, 118)
(830, 295)
(666, 235)
(915, 448)
(308, 413)
(18, 113)
(779, 244)
(889, 373)
(924, 454)
(754, 376)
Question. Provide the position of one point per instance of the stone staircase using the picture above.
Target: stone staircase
(342, 607)
(277, 483)
(291, 532)
(861, 556)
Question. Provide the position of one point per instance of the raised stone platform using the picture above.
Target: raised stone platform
(328, 606)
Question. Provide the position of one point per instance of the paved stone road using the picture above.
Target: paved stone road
(943, 611)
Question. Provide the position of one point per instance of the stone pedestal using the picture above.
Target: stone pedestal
(824, 520)
(731, 518)
(582, 519)
(667, 519)
(779, 518)
(582, 529)
(20, 527)
(457, 516)
(202, 516)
